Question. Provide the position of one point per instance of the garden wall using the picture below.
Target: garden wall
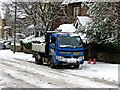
(108, 57)
(103, 52)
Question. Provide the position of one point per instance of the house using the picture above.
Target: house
(70, 9)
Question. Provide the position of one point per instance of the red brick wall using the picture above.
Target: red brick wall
(69, 9)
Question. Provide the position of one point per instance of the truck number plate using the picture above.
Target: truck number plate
(71, 60)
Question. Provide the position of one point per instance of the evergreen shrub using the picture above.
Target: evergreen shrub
(107, 47)
(28, 45)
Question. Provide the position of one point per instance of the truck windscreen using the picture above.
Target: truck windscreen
(69, 41)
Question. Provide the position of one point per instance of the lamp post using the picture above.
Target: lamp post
(14, 47)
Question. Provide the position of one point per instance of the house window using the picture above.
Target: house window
(76, 11)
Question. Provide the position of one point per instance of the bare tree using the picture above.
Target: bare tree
(39, 12)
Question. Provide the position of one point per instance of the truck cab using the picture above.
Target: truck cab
(65, 49)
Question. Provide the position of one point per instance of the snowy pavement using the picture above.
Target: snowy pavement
(19, 70)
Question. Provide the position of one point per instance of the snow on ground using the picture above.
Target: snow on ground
(9, 55)
(99, 71)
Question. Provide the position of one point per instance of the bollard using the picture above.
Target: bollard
(94, 61)
(89, 62)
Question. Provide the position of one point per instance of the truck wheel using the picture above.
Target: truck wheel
(52, 64)
(38, 59)
(76, 66)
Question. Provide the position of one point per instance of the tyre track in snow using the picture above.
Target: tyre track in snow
(39, 70)
(8, 81)
(67, 72)
(15, 66)
(93, 79)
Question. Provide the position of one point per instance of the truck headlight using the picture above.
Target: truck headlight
(81, 58)
(58, 57)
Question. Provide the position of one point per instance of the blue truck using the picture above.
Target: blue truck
(59, 49)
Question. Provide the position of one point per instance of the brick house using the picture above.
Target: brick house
(69, 12)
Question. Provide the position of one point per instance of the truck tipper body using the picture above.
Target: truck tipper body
(59, 49)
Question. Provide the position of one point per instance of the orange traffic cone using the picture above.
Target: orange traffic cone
(94, 61)
(89, 62)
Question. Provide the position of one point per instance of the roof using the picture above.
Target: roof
(84, 20)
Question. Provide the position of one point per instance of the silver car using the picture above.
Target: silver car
(2, 46)
(5, 44)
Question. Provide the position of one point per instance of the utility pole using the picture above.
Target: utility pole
(14, 47)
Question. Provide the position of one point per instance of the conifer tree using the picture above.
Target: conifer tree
(105, 27)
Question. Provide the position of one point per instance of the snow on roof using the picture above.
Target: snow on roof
(84, 20)
(67, 28)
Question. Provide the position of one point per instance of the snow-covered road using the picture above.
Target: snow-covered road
(19, 71)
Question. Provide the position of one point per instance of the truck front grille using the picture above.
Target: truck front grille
(70, 57)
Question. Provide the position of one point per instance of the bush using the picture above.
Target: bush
(27, 45)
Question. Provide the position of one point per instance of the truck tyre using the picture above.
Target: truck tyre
(41, 62)
(38, 59)
(52, 64)
(76, 66)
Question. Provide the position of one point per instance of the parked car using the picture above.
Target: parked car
(5, 44)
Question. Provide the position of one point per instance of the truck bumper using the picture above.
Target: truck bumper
(70, 61)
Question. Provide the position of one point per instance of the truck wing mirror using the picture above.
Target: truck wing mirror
(53, 39)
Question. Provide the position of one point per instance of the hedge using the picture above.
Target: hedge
(27, 45)
(108, 47)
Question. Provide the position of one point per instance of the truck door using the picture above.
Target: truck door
(52, 45)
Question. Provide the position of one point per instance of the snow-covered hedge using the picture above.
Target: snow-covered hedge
(28, 39)
(27, 45)
(32, 38)
(38, 39)
(27, 42)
